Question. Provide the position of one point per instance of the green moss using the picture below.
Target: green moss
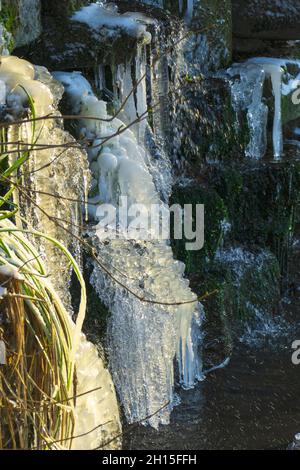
(262, 201)
(220, 306)
(242, 286)
(215, 214)
(216, 15)
(208, 124)
(9, 19)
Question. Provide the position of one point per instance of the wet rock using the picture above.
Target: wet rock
(22, 19)
(205, 127)
(266, 19)
(254, 275)
(243, 281)
(248, 233)
(66, 44)
(295, 445)
(215, 217)
(57, 8)
(261, 200)
(210, 24)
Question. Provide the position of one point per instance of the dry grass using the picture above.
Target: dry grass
(37, 383)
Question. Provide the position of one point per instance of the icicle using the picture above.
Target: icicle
(247, 94)
(86, 197)
(190, 10)
(273, 69)
(144, 338)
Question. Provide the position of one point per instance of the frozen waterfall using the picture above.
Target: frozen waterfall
(144, 336)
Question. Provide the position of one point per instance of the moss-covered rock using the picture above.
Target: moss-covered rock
(242, 284)
(210, 23)
(57, 8)
(22, 19)
(215, 18)
(8, 24)
(206, 123)
(215, 215)
(261, 200)
(254, 277)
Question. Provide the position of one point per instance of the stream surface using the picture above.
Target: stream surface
(253, 403)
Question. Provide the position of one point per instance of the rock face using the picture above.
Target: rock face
(205, 122)
(57, 8)
(21, 18)
(210, 44)
(240, 255)
(66, 44)
(266, 19)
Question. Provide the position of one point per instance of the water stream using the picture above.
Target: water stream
(120, 170)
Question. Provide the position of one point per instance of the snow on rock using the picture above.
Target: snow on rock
(98, 16)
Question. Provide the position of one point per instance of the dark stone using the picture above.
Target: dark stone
(70, 45)
(57, 8)
(262, 200)
(266, 19)
(215, 214)
(66, 44)
(207, 124)
(210, 27)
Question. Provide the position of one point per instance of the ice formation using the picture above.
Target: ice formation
(144, 337)
(98, 15)
(22, 80)
(18, 76)
(98, 410)
(247, 93)
(18, 79)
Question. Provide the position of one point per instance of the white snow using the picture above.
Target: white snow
(98, 16)
(3, 292)
(11, 272)
(18, 76)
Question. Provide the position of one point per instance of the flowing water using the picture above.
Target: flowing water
(147, 268)
(251, 404)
